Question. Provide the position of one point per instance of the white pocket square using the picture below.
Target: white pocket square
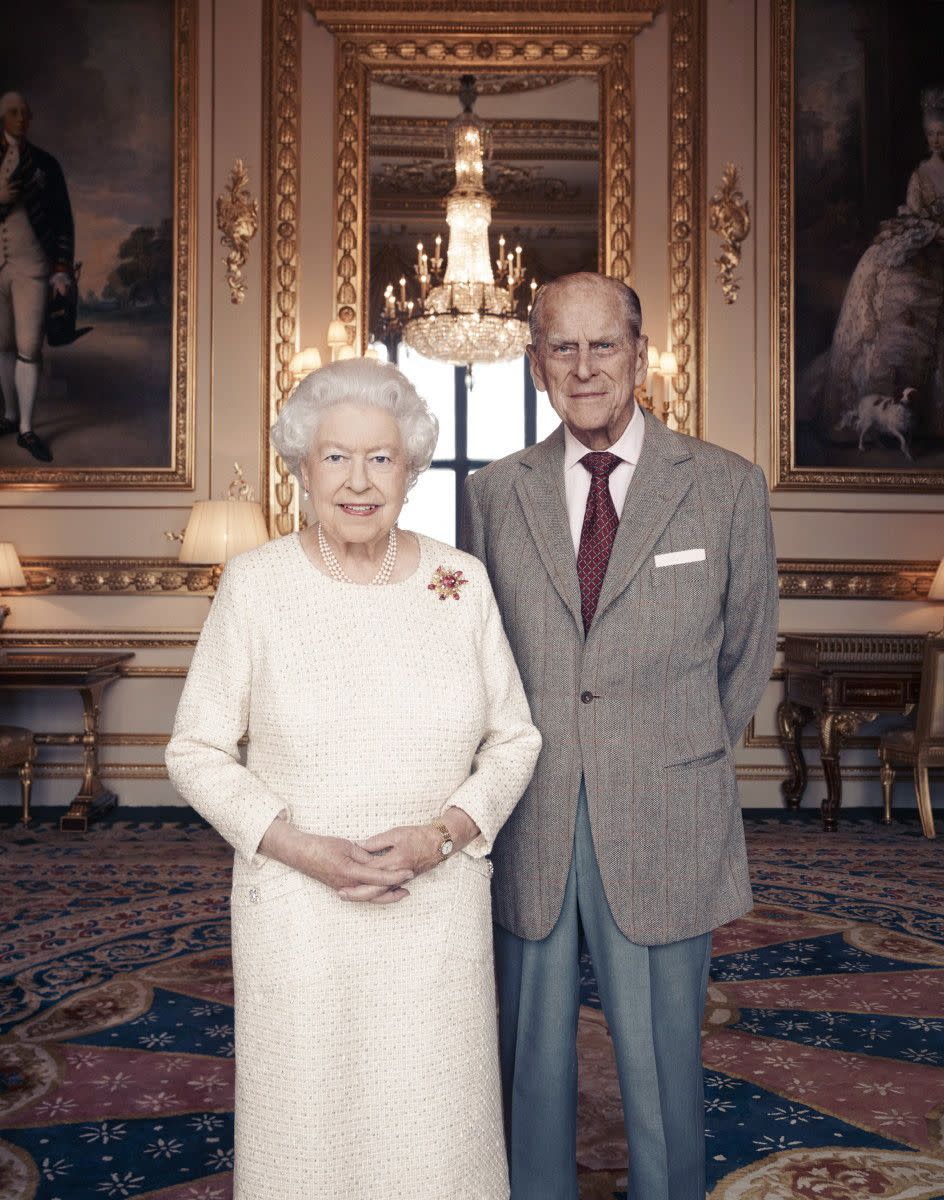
(675, 557)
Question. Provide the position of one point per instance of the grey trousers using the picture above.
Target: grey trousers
(653, 1000)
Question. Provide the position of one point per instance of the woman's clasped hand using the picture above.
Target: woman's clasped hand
(338, 863)
(375, 870)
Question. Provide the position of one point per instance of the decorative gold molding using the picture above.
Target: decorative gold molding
(418, 14)
(686, 187)
(538, 138)
(820, 579)
(729, 216)
(809, 579)
(237, 219)
(566, 43)
(116, 576)
(179, 474)
(281, 143)
(101, 639)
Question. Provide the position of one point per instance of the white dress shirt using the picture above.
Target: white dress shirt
(577, 478)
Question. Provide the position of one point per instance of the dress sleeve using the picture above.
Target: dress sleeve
(506, 756)
(203, 759)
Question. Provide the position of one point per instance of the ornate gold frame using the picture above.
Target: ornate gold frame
(566, 36)
(784, 473)
(180, 472)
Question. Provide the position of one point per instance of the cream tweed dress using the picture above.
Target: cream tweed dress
(366, 1042)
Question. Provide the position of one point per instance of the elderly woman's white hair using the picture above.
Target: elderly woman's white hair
(365, 384)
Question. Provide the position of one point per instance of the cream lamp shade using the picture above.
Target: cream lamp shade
(303, 362)
(219, 529)
(668, 363)
(11, 573)
(652, 356)
(337, 334)
(937, 584)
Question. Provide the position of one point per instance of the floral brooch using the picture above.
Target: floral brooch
(446, 583)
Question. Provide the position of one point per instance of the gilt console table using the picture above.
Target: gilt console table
(88, 674)
(842, 681)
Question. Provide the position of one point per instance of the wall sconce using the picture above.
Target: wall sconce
(664, 365)
(11, 574)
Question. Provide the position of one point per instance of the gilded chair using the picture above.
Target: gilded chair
(17, 749)
(922, 747)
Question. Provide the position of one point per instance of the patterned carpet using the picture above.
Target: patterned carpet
(824, 1036)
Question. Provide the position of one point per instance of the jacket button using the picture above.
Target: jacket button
(586, 697)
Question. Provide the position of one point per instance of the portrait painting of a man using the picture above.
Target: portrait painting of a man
(87, 238)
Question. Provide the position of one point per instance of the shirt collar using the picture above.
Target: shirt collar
(628, 446)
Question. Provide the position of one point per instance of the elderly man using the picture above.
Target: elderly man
(36, 251)
(634, 568)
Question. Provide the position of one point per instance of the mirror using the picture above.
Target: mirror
(542, 173)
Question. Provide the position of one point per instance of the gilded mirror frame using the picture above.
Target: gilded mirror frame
(535, 37)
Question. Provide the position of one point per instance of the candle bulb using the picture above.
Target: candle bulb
(419, 255)
(517, 258)
(402, 289)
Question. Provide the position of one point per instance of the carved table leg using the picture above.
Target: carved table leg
(833, 727)
(26, 785)
(92, 799)
(790, 721)
(886, 773)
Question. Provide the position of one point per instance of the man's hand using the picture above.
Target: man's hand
(336, 862)
(61, 283)
(9, 192)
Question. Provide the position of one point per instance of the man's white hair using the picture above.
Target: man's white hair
(365, 384)
(8, 99)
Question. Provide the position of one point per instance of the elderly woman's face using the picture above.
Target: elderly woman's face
(356, 472)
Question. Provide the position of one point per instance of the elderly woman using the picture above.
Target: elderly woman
(388, 740)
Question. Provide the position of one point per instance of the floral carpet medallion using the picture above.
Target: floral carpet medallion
(823, 1034)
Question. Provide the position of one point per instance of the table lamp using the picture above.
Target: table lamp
(937, 586)
(11, 574)
(303, 362)
(219, 529)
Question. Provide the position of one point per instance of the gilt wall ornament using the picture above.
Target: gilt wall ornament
(237, 218)
(729, 216)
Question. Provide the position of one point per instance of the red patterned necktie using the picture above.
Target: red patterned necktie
(600, 520)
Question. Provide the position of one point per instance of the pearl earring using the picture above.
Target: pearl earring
(305, 493)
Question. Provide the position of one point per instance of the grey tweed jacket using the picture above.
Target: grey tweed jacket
(647, 706)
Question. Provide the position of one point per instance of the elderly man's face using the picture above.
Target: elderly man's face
(588, 362)
(16, 117)
(356, 473)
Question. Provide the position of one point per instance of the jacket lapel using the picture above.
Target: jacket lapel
(662, 478)
(540, 488)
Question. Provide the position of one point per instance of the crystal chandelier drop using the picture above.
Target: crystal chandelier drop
(465, 314)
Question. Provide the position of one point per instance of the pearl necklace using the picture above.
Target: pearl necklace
(336, 571)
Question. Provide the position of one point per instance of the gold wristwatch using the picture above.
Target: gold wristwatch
(447, 845)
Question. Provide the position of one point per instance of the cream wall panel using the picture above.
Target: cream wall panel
(650, 255)
(316, 234)
(237, 345)
(730, 334)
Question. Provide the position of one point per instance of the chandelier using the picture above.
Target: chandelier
(460, 311)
